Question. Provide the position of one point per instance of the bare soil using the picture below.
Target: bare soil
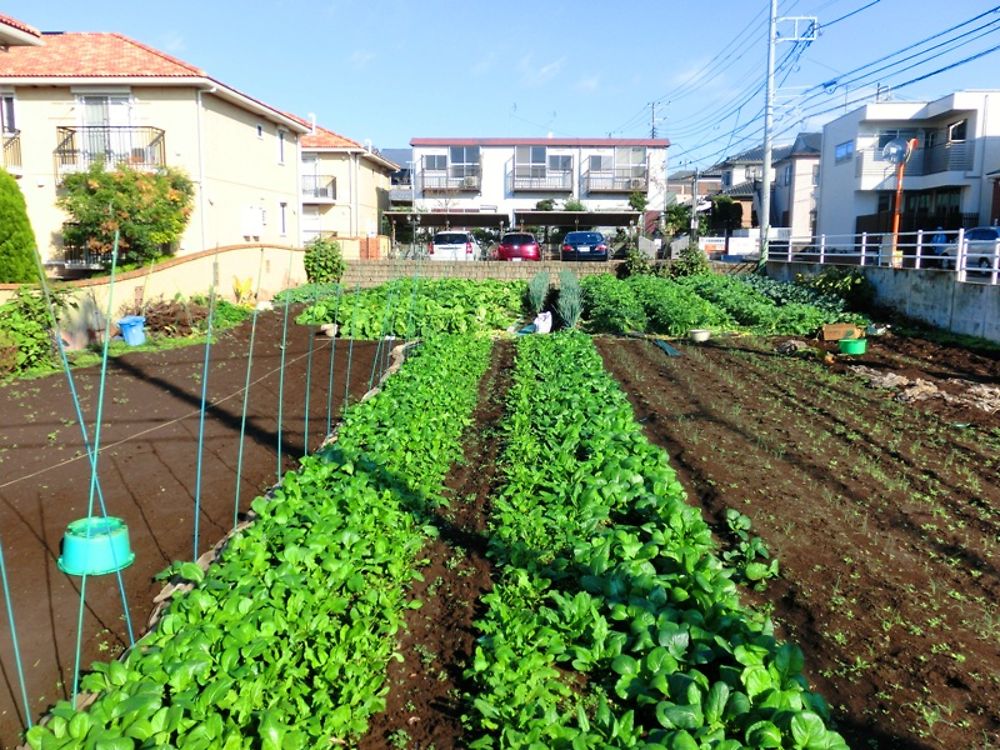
(147, 472)
(885, 517)
(424, 704)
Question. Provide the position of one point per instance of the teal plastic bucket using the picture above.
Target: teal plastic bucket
(853, 346)
(132, 328)
(95, 546)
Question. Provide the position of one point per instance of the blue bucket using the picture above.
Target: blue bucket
(132, 329)
(95, 546)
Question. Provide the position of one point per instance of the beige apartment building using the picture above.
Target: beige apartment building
(345, 186)
(78, 98)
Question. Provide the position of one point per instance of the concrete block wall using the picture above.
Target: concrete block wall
(930, 295)
(369, 273)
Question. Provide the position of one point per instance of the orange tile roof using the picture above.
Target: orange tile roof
(19, 25)
(324, 138)
(93, 55)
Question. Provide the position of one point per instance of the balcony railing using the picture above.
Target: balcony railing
(319, 187)
(111, 145)
(548, 182)
(616, 181)
(946, 157)
(12, 151)
(469, 182)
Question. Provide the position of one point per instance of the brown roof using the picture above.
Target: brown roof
(19, 25)
(93, 55)
(598, 142)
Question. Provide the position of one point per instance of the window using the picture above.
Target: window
(7, 113)
(561, 163)
(283, 207)
(260, 130)
(631, 161)
(435, 163)
(602, 164)
(529, 161)
(843, 152)
(464, 161)
(281, 146)
(815, 176)
(956, 131)
(787, 176)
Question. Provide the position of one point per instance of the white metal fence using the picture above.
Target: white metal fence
(972, 254)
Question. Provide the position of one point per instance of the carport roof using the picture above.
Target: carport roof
(451, 218)
(575, 218)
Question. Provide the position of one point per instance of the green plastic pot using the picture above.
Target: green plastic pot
(95, 546)
(853, 346)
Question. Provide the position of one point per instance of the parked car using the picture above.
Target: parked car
(981, 245)
(454, 245)
(584, 246)
(518, 246)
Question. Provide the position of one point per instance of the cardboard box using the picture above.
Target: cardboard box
(837, 331)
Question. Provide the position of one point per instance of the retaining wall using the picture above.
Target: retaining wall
(372, 273)
(930, 295)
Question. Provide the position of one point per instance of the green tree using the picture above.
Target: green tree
(638, 200)
(17, 241)
(677, 219)
(150, 211)
(727, 215)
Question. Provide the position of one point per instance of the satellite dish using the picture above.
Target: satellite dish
(896, 151)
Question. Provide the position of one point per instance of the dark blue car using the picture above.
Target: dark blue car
(585, 246)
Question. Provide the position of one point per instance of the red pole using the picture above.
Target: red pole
(897, 254)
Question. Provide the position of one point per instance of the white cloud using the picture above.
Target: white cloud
(172, 42)
(588, 84)
(361, 58)
(484, 64)
(532, 75)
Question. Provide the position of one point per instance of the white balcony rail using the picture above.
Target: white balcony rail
(972, 255)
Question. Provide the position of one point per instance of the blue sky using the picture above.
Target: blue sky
(390, 70)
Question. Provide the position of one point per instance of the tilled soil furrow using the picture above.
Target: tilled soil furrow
(893, 605)
(424, 703)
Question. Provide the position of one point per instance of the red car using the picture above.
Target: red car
(518, 246)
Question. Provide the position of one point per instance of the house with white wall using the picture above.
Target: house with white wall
(796, 175)
(501, 175)
(80, 98)
(947, 181)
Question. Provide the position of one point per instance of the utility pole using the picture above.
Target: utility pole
(764, 220)
(694, 207)
(806, 33)
(652, 119)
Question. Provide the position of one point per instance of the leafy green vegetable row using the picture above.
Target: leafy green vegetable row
(422, 307)
(754, 310)
(612, 622)
(674, 309)
(611, 305)
(284, 643)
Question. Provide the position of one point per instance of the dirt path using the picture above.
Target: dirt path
(885, 518)
(147, 474)
(425, 698)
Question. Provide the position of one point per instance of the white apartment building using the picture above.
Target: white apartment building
(947, 182)
(501, 175)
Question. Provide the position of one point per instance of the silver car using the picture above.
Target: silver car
(981, 247)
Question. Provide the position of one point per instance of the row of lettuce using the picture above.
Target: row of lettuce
(612, 623)
(284, 643)
(641, 303)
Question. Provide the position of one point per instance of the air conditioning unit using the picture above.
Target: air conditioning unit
(470, 182)
(637, 183)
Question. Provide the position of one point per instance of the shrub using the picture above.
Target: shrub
(691, 262)
(26, 320)
(17, 241)
(570, 302)
(851, 285)
(149, 210)
(538, 289)
(324, 262)
(8, 354)
(636, 264)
